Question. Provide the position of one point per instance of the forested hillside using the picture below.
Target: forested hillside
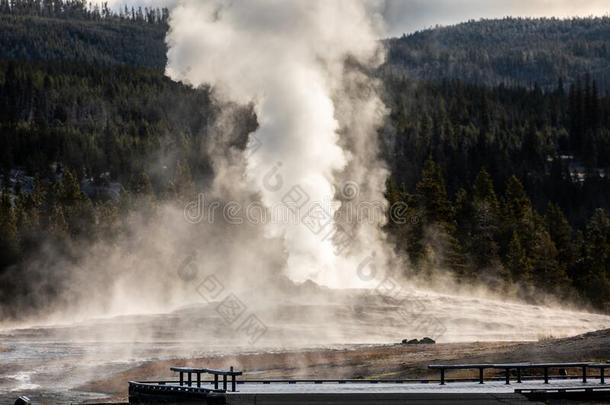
(557, 142)
(96, 119)
(73, 31)
(500, 152)
(513, 51)
(505, 183)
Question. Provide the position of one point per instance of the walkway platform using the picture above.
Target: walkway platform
(192, 389)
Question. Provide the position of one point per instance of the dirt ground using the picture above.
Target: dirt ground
(373, 362)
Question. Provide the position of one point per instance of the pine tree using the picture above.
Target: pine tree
(24, 222)
(594, 277)
(9, 242)
(518, 215)
(432, 195)
(464, 214)
(441, 246)
(483, 189)
(561, 234)
(76, 208)
(414, 235)
(486, 222)
(576, 114)
(518, 203)
(182, 185)
(70, 193)
(108, 221)
(548, 274)
(140, 184)
(58, 227)
(517, 262)
(142, 197)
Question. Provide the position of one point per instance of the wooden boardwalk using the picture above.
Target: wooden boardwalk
(478, 391)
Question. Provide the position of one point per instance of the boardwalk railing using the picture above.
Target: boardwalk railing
(519, 367)
(216, 373)
(602, 368)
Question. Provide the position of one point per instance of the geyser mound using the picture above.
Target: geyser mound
(308, 315)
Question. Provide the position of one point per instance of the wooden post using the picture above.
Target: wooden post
(584, 374)
(198, 379)
(181, 378)
(215, 381)
(508, 376)
(518, 375)
(546, 375)
(601, 375)
(224, 382)
(232, 380)
(442, 376)
(481, 375)
(190, 380)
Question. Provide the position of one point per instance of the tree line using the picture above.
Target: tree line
(510, 185)
(95, 119)
(59, 30)
(513, 51)
(501, 240)
(83, 9)
(557, 142)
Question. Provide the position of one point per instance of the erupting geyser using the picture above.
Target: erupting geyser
(301, 63)
(181, 284)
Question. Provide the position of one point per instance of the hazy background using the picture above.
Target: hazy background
(405, 16)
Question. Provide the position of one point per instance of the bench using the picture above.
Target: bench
(507, 367)
(198, 371)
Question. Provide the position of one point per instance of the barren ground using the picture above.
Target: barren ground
(380, 362)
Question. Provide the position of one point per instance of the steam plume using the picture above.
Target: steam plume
(290, 59)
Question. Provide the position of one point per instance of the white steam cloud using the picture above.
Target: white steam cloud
(301, 63)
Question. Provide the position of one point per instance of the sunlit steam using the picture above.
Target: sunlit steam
(317, 114)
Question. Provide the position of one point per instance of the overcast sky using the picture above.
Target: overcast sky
(405, 16)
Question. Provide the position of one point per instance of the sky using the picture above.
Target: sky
(406, 16)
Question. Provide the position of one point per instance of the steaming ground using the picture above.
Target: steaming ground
(51, 362)
(303, 68)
